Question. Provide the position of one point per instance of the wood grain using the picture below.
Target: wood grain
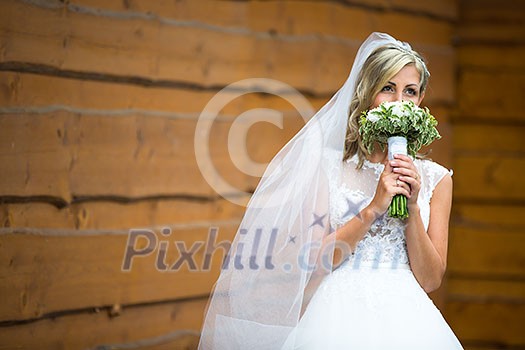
(56, 272)
(478, 103)
(30, 92)
(99, 102)
(170, 325)
(487, 177)
(64, 155)
(199, 54)
(494, 139)
(487, 252)
(492, 323)
(120, 213)
(267, 15)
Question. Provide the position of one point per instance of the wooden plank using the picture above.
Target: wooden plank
(25, 91)
(483, 346)
(477, 102)
(231, 13)
(446, 9)
(75, 154)
(329, 18)
(170, 325)
(489, 215)
(491, 11)
(97, 141)
(506, 32)
(461, 289)
(76, 270)
(197, 54)
(503, 34)
(495, 323)
(486, 252)
(495, 139)
(39, 174)
(102, 214)
(156, 123)
(496, 58)
(155, 157)
(489, 178)
(285, 17)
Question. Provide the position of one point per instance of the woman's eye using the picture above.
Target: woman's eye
(387, 88)
(411, 92)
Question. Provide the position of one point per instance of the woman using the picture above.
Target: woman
(341, 273)
(376, 299)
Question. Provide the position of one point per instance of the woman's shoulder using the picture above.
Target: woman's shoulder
(431, 165)
(432, 172)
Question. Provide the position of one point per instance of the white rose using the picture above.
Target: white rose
(401, 109)
(372, 116)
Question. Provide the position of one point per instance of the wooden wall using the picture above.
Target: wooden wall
(486, 283)
(98, 107)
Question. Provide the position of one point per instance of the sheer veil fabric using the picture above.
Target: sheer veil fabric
(277, 258)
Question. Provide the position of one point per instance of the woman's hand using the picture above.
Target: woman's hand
(408, 177)
(400, 176)
(387, 187)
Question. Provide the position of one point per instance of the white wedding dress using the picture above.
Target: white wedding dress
(373, 301)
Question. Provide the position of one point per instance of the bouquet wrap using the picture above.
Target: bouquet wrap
(397, 145)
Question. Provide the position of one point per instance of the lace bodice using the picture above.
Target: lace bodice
(385, 241)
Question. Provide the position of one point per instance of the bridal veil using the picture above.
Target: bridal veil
(280, 251)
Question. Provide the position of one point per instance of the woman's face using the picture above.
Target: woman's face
(404, 86)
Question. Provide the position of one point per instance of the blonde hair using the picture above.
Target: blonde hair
(384, 63)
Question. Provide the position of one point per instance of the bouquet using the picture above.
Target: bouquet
(405, 128)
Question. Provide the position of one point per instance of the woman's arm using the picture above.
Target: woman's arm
(354, 230)
(427, 252)
(351, 233)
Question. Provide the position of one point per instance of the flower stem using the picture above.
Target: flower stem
(398, 208)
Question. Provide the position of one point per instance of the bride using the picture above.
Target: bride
(317, 262)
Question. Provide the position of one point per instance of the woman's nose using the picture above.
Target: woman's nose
(398, 97)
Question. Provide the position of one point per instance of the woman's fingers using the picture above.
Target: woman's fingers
(406, 175)
(398, 177)
(401, 187)
(409, 180)
(404, 167)
(394, 185)
(402, 158)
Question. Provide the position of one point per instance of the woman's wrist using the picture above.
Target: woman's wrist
(370, 214)
(413, 210)
(414, 207)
